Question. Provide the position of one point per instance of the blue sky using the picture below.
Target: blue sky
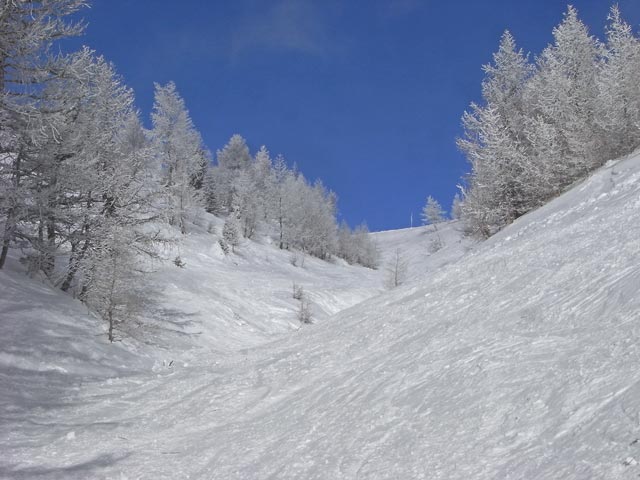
(366, 95)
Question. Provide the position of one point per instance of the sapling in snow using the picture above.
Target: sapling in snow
(433, 214)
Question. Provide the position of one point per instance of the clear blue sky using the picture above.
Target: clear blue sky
(365, 94)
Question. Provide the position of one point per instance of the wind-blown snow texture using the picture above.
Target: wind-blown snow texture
(520, 360)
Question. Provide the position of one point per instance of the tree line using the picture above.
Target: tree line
(547, 122)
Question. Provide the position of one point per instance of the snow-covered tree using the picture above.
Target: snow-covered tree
(563, 95)
(495, 145)
(122, 203)
(397, 269)
(234, 155)
(261, 176)
(95, 187)
(231, 231)
(432, 213)
(309, 217)
(618, 102)
(245, 203)
(261, 193)
(27, 32)
(211, 192)
(538, 130)
(179, 150)
(281, 198)
(356, 246)
(202, 167)
(233, 159)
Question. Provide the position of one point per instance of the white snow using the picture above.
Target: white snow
(517, 360)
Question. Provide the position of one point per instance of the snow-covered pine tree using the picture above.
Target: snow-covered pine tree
(231, 234)
(179, 148)
(320, 238)
(261, 175)
(98, 196)
(346, 248)
(495, 146)
(245, 203)
(27, 31)
(432, 213)
(309, 214)
(232, 159)
(124, 205)
(281, 199)
(618, 101)
(563, 95)
(364, 250)
(202, 167)
(235, 154)
(88, 102)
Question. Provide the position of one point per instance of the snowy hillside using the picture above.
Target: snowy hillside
(229, 302)
(520, 360)
(423, 249)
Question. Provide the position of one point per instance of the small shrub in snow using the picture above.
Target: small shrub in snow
(304, 313)
(435, 244)
(396, 270)
(178, 262)
(298, 291)
(231, 232)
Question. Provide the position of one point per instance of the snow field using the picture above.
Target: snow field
(519, 360)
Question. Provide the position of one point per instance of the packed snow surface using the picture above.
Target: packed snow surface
(517, 360)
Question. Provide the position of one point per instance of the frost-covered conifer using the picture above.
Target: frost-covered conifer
(231, 231)
(245, 203)
(27, 31)
(178, 147)
(618, 102)
(432, 213)
(563, 95)
(281, 199)
(234, 155)
(261, 176)
(495, 145)
(232, 159)
(97, 188)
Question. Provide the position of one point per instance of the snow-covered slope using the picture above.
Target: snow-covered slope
(225, 303)
(230, 302)
(423, 249)
(518, 361)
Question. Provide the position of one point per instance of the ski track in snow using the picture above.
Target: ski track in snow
(520, 360)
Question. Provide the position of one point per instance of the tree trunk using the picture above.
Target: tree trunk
(280, 221)
(12, 214)
(110, 318)
(9, 227)
(72, 269)
(48, 264)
